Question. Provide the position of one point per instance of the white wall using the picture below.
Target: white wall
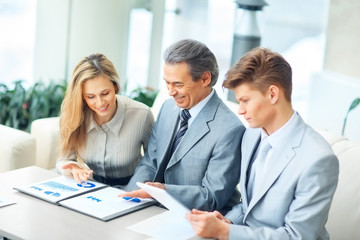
(343, 34)
(50, 39)
(100, 27)
(330, 96)
(69, 30)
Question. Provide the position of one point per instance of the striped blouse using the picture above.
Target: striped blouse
(115, 148)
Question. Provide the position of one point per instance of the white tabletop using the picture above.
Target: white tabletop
(31, 218)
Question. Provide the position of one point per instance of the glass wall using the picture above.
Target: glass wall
(17, 24)
(294, 28)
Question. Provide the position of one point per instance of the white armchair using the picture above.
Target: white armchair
(344, 216)
(47, 134)
(17, 149)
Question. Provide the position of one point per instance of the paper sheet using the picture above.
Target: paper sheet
(165, 226)
(5, 202)
(163, 197)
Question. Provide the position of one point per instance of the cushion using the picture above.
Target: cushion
(344, 215)
(47, 134)
(17, 149)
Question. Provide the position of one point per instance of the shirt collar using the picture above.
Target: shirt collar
(277, 138)
(194, 111)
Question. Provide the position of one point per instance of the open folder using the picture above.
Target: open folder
(92, 198)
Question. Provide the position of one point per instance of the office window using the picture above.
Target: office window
(17, 24)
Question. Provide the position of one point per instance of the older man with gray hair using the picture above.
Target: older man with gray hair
(194, 149)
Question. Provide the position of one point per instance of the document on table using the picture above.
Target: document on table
(169, 225)
(92, 198)
(105, 204)
(165, 226)
(5, 202)
(165, 199)
(59, 188)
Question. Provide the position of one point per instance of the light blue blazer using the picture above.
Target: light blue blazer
(295, 200)
(205, 168)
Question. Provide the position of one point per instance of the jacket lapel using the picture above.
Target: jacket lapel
(197, 130)
(167, 131)
(276, 168)
(248, 149)
(282, 158)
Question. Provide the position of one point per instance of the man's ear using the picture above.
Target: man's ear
(206, 78)
(274, 93)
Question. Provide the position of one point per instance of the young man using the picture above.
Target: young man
(196, 161)
(287, 187)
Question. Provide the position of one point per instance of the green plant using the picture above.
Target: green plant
(4, 102)
(45, 101)
(11, 101)
(145, 95)
(353, 105)
(19, 107)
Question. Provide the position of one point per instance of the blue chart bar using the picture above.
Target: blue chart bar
(59, 186)
(94, 198)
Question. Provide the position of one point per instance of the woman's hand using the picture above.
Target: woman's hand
(80, 175)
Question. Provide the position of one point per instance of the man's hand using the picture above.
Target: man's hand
(135, 194)
(80, 175)
(140, 193)
(209, 224)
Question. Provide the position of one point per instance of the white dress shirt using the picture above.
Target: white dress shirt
(276, 141)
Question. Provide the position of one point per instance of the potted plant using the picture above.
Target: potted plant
(20, 106)
(145, 95)
(11, 106)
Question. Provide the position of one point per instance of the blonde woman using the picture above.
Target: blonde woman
(102, 133)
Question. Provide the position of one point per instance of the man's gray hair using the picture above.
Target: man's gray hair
(197, 55)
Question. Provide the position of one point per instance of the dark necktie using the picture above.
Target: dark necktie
(184, 117)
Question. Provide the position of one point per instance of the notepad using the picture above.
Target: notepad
(92, 198)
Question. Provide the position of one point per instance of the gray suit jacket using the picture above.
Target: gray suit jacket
(295, 201)
(204, 170)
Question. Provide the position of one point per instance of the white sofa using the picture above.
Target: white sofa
(17, 149)
(47, 134)
(344, 217)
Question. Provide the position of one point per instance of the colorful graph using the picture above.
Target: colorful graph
(59, 186)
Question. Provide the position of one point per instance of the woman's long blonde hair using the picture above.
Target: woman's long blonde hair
(74, 110)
